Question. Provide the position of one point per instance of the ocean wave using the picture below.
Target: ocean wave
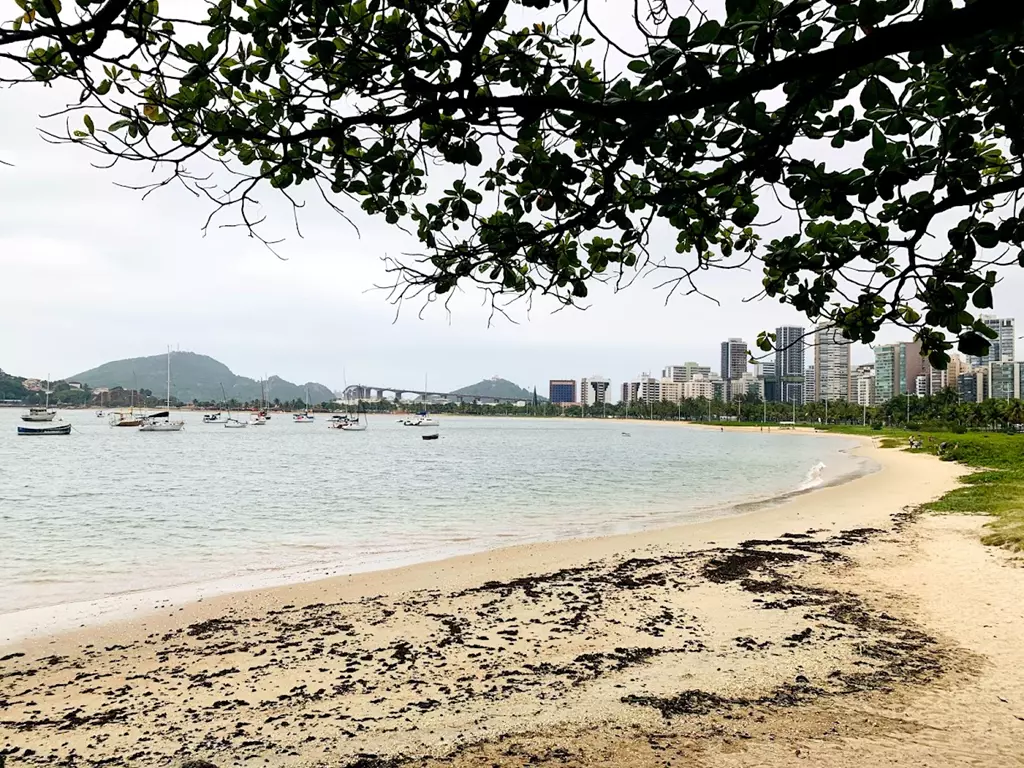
(814, 478)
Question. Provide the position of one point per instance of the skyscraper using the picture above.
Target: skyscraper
(886, 359)
(1001, 348)
(810, 385)
(734, 359)
(862, 385)
(831, 365)
(593, 390)
(897, 367)
(789, 363)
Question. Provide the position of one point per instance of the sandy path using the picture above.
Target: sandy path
(828, 626)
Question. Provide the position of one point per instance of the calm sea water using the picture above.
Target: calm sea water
(109, 511)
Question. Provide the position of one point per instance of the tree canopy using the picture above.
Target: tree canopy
(864, 154)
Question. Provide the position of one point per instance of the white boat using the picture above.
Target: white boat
(99, 414)
(213, 418)
(304, 418)
(346, 423)
(258, 419)
(231, 422)
(162, 422)
(40, 414)
(422, 420)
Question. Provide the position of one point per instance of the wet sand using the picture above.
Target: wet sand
(837, 626)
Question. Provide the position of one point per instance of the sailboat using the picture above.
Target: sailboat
(41, 414)
(161, 422)
(231, 422)
(304, 418)
(347, 424)
(423, 417)
(122, 419)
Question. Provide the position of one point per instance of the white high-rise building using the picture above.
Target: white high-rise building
(685, 372)
(594, 390)
(863, 384)
(831, 365)
(734, 359)
(1001, 348)
(699, 386)
(810, 385)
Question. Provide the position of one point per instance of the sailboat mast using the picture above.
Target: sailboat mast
(168, 377)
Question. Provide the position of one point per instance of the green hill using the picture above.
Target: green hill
(195, 377)
(498, 388)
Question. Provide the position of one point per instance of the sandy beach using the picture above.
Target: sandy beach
(838, 628)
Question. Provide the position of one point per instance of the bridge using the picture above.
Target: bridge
(367, 392)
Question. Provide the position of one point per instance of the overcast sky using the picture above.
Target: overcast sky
(90, 273)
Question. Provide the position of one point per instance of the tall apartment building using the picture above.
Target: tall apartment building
(947, 379)
(1004, 380)
(810, 385)
(886, 362)
(685, 372)
(594, 390)
(700, 386)
(769, 384)
(562, 391)
(911, 365)
(644, 388)
(1001, 348)
(897, 368)
(790, 351)
(862, 387)
(971, 386)
(734, 359)
(831, 365)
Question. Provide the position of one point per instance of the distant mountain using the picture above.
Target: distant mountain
(498, 388)
(195, 377)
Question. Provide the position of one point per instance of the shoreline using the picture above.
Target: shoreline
(41, 622)
(836, 615)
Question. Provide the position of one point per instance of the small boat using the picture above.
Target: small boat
(213, 418)
(304, 418)
(258, 419)
(99, 414)
(38, 414)
(430, 436)
(421, 420)
(161, 422)
(57, 429)
(122, 419)
(232, 423)
(348, 423)
(41, 414)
